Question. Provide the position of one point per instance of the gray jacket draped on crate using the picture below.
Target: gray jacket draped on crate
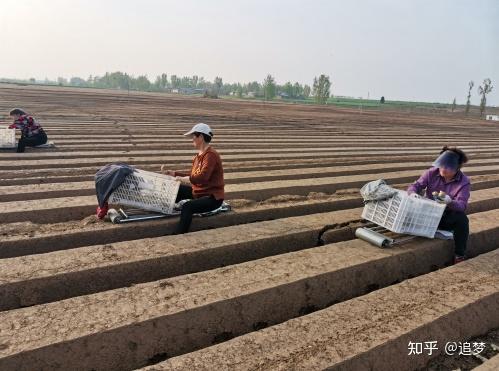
(108, 178)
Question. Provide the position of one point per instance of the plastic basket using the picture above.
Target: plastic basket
(148, 191)
(406, 214)
(7, 137)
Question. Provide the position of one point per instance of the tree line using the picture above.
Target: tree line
(268, 89)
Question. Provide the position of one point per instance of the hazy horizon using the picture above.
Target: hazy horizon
(417, 50)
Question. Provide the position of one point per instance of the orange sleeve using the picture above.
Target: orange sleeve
(186, 172)
(181, 173)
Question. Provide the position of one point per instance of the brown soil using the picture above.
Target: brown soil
(467, 362)
(107, 296)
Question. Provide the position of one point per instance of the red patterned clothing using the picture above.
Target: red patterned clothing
(28, 125)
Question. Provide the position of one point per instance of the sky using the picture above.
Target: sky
(425, 50)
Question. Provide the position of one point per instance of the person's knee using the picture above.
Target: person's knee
(184, 192)
(188, 207)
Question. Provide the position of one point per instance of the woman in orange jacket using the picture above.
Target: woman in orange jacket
(203, 185)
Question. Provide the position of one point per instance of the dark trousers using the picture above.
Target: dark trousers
(456, 221)
(195, 206)
(35, 140)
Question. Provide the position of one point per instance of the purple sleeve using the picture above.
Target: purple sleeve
(419, 184)
(17, 125)
(460, 202)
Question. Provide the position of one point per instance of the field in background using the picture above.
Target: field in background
(339, 101)
(278, 283)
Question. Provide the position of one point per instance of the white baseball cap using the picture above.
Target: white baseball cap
(200, 128)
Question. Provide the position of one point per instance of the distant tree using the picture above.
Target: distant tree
(157, 83)
(114, 80)
(164, 81)
(306, 91)
(468, 99)
(239, 91)
(382, 100)
(32, 80)
(218, 82)
(483, 90)
(269, 88)
(210, 94)
(77, 81)
(96, 81)
(202, 83)
(229, 88)
(175, 81)
(62, 81)
(254, 87)
(195, 80)
(127, 83)
(288, 89)
(322, 87)
(122, 80)
(453, 105)
(141, 83)
(297, 90)
(186, 82)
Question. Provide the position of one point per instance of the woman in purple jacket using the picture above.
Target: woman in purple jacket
(446, 176)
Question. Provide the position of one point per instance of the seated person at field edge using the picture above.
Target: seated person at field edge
(446, 176)
(203, 185)
(32, 134)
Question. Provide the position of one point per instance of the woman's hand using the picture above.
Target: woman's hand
(445, 200)
(183, 179)
(167, 172)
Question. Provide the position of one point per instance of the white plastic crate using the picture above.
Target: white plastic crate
(406, 214)
(7, 138)
(148, 191)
